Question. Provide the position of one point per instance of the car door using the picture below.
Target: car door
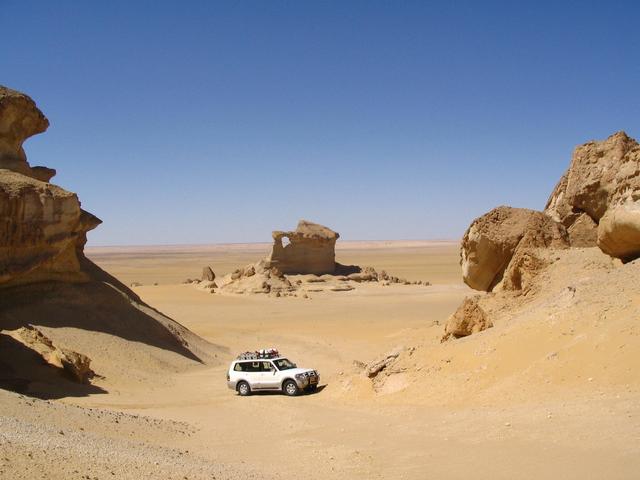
(253, 374)
(270, 378)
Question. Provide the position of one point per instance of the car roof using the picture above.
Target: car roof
(257, 359)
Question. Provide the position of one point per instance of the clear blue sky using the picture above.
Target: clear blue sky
(205, 122)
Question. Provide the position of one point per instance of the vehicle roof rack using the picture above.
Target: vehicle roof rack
(259, 354)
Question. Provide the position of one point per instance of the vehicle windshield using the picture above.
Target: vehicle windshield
(284, 364)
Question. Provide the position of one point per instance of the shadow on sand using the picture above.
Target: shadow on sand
(104, 305)
(270, 393)
(22, 370)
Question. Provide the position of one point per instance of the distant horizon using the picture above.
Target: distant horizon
(338, 243)
(217, 122)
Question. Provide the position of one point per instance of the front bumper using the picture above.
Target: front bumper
(308, 381)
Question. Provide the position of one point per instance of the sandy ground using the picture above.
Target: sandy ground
(347, 430)
(582, 428)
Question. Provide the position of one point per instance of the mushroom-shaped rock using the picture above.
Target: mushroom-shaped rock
(619, 231)
(19, 120)
(469, 318)
(311, 249)
(601, 174)
(42, 227)
(490, 242)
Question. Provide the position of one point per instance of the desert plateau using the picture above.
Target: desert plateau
(250, 205)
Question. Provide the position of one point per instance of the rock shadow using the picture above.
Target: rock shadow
(22, 370)
(102, 305)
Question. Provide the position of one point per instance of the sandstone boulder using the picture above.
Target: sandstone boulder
(42, 227)
(601, 174)
(310, 249)
(619, 231)
(491, 241)
(583, 232)
(469, 318)
(76, 365)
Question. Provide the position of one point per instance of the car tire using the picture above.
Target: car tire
(243, 389)
(290, 388)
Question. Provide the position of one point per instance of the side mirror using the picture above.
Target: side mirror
(274, 371)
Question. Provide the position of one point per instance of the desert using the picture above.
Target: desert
(349, 188)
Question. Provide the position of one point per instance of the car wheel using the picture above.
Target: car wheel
(290, 388)
(243, 389)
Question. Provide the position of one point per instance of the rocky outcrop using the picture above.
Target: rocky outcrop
(260, 277)
(491, 241)
(42, 227)
(372, 369)
(469, 318)
(619, 231)
(310, 249)
(596, 202)
(602, 175)
(74, 364)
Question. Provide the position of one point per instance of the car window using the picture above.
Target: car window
(248, 367)
(267, 367)
(284, 364)
(252, 366)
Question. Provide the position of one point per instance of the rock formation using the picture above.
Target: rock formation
(596, 202)
(76, 365)
(469, 318)
(372, 369)
(491, 241)
(311, 249)
(47, 282)
(42, 227)
(260, 277)
(601, 175)
(305, 265)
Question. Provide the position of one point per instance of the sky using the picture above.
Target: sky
(191, 122)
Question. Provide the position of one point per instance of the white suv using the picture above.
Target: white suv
(257, 374)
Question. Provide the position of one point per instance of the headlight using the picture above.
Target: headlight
(300, 376)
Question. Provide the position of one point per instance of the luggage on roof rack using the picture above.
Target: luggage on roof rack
(258, 354)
